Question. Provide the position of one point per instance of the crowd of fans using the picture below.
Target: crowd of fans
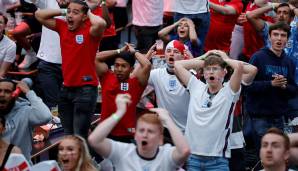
(226, 97)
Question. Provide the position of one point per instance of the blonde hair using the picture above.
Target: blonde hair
(85, 161)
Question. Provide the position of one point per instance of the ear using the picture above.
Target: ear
(161, 140)
(85, 17)
(287, 155)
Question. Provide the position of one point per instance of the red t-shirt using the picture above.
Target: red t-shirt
(252, 40)
(111, 31)
(221, 27)
(110, 88)
(78, 49)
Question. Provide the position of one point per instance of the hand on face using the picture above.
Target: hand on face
(122, 101)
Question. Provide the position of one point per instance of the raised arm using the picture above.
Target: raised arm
(182, 150)
(182, 67)
(254, 17)
(4, 67)
(225, 10)
(98, 138)
(143, 71)
(237, 66)
(46, 17)
(249, 73)
(98, 24)
(39, 113)
(164, 33)
(101, 57)
(193, 37)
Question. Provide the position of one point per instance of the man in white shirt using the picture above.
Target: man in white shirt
(7, 48)
(170, 94)
(148, 153)
(275, 150)
(49, 78)
(210, 108)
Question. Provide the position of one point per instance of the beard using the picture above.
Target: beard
(9, 107)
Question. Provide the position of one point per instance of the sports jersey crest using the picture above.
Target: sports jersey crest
(79, 39)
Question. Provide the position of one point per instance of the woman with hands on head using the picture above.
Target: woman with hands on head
(185, 33)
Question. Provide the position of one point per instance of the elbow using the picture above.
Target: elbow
(91, 140)
(161, 35)
(38, 15)
(147, 66)
(250, 16)
(185, 151)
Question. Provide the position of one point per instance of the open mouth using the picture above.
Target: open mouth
(65, 161)
(171, 60)
(144, 143)
(211, 78)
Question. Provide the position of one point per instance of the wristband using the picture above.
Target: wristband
(115, 117)
(118, 51)
(63, 12)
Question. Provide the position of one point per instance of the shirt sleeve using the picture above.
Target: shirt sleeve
(10, 54)
(117, 151)
(194, 84)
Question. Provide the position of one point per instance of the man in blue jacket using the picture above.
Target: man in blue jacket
(267, 97)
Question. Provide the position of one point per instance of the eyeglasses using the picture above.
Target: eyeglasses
(213, 69)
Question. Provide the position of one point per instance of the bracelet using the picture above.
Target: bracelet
(115, 117)
(63, 12)
(118, 51)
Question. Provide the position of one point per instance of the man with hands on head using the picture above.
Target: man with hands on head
(211, 106)
(21, 115)
(79, 42)
(148, 153)
(121, 81)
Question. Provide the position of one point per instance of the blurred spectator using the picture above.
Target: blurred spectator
(49, 78)
(224, 15)
(147, 20)
(198, 12)
(7, 5)
(275, 150)
(148, 153)
(119, 81)
(186, 34)
(28, 26)
(7, 48)
(73, 154)
(5, 148)
(120, 17)
(21, 115)
(267, 97)
(79, 42)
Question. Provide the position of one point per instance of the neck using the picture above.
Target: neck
(281, 167)
(147, 154)
(214, 89)
(2, 143)
(170, 69)
(276, 52)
